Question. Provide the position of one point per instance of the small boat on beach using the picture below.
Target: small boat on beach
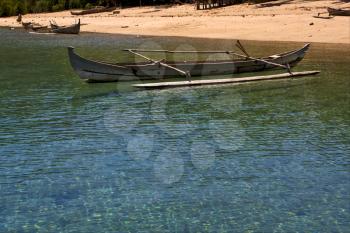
(35, 27)
(98, 71)
(97, 9)
(72, 29)
(53, 24)
(41, 29)
(27, 25)
(338, 12)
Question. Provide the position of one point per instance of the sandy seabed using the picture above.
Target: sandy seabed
(293, 21)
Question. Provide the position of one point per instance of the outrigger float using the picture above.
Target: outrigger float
(164, 85)
(98, 71)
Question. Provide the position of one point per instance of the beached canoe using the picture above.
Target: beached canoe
(98, 71)
(72, 29)
(33, 26)
(27, 25)
(93, 10)
(338, 12)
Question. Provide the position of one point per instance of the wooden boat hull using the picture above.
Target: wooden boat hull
(73, 29)
(35, 27)
(96, 71)
(338, 12)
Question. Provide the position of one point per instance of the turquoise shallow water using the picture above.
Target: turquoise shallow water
(77, 157)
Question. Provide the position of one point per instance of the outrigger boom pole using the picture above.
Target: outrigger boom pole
(185, 73)
(239, 45)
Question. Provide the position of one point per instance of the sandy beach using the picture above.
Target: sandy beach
(293, 21)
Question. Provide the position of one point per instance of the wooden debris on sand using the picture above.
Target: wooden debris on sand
(273, 3)
(338, 12)
(209, 4)
(163, 85)
(323, 17)
(97, 9)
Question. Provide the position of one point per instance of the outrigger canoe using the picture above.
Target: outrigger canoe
(98, 71)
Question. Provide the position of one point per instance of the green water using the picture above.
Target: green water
(262, 157)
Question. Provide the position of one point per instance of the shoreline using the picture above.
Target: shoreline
(86, 33)
(286, 23)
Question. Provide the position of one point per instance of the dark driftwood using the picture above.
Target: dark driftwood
(93, 11)
(323, 17)
(338, 12)
(163, 85)
(273, 3)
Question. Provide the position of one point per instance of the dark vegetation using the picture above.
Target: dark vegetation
(15, 7)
